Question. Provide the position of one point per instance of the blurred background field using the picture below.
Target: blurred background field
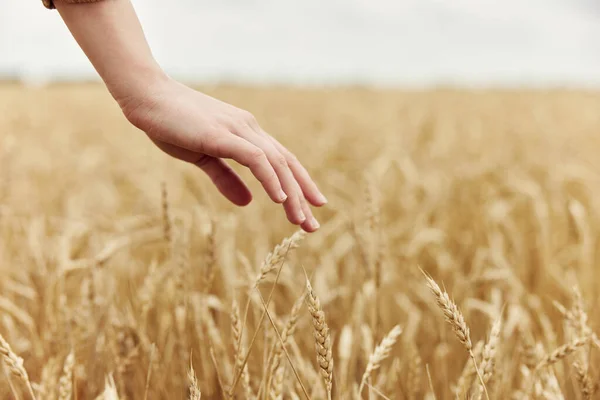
(492, 192)
(458, 139)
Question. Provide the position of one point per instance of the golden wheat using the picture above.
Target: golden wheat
(65, 383)
(381, 352)
(195, 393)
(322, 338)
(132, 260)
(15, 366)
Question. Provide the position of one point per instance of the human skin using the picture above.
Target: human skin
(184, 123)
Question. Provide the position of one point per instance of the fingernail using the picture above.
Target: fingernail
(314, 224)
(301, 216)
(282, 196)
(321, 198)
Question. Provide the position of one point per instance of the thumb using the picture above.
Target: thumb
(227, 181)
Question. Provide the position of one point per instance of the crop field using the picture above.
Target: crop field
(456, 258)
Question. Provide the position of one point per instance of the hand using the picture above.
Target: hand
(204, 131)
(184, 123)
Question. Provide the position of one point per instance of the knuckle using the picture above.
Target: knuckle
(291, 157)
(248, 116)
(280, 160)
(244, 117)
(209, 140)
(201, 161)
(256, 156)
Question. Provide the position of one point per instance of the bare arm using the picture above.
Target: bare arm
(184, 123)
(112, 38)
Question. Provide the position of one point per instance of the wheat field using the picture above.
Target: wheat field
(456, 257)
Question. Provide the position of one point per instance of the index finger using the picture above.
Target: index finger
(307, 184)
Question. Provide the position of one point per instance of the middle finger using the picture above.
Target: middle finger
(296, 212)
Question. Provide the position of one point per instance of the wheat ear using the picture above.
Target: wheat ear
(236, 327)
(552, 358)
(489, 355)
(166, 213)
(65, 383)
(277, 256)
(262, 317)
(322, 338)
(413, 378)
(15, 365)
(195, 393)
(381, 352)
(211, 256)
(455, 318)
(584, 381)
(562, 352)
(276, 374)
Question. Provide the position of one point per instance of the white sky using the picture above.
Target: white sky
(404, 42)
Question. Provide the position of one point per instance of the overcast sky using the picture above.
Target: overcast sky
(400, 42)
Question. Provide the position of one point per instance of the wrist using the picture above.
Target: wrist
(132, 84)
(140, 93)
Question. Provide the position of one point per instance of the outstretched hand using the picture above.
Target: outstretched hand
(202, 130)
(184, 123)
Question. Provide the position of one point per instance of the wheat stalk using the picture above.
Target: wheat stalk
(211, 256)
(465, 380)
(264, 313)
(166, 213)
(373, 213)
(381, 352)
(276, 370)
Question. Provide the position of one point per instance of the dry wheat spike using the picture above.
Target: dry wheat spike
(195, 393)
(276, 373)
(455, 318)
(278, 254)
(65, 383)
(488, 361)
(239, 349)
(413, 378)
(15, 365)
(166, 213)
(381, 352)
(584, 381)
(322, 338)
(562, 352)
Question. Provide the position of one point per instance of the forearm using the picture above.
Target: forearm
(112, 38)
